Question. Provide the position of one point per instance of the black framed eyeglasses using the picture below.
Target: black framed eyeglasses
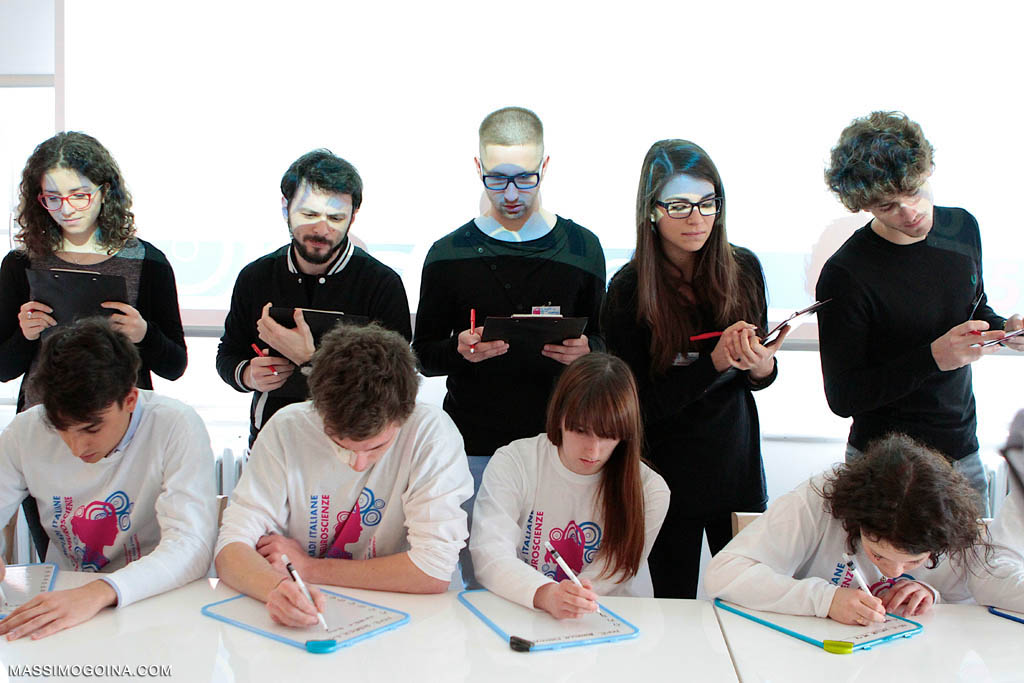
(682, 209)
(523, 181)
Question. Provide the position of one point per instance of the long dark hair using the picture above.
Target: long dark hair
(40, 235)
(909, 496)
(719, 285)
(597, 394)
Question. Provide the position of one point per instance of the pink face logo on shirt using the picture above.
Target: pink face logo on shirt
(368, 511)
(576, 543)
(96, 525)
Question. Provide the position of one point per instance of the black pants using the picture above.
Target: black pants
(35, 528)
(675, 557)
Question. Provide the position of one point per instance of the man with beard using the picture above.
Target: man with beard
(321, 269)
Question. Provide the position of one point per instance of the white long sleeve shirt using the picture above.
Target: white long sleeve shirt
(790, 559)
(527, 497)
(145, 515)
(1000, 581)
(296, 485)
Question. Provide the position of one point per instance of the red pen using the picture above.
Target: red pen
(705, 335)
(263, 355)
(472, 326)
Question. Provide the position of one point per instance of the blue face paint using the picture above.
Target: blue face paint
(512, 206)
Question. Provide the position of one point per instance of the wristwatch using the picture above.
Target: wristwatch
(306, 368)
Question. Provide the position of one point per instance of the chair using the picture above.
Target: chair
(741, 519)
(10, 536)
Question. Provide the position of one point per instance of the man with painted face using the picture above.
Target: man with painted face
(908, 310)
(122, 479)
(320, 269)
(517, 258)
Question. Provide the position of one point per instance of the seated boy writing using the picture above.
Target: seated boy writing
(359, 487)
(123, 480)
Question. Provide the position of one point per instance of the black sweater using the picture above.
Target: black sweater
(702, 428)
(889, 303)
(162, 349)
(356, 283)
(505, 398)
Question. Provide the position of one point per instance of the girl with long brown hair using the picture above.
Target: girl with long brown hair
(685, 314)
(582, 487)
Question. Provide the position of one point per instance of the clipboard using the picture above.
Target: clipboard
(774, 333)
(320, 322)
(25, 581)
(74, 294)
(1009, 335)
(350, 621)
(829, 635)
(1008, 614)
(527, 334)
(527, 630)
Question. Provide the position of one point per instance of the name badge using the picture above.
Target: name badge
(547, 310)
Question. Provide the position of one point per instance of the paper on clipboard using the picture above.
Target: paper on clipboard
(828, 634)
(22, 582)
(543, 631)
(774, 333)
(74, 294)
(349, 620)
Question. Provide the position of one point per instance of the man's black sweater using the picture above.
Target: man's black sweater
(889, 303)
(504, 398)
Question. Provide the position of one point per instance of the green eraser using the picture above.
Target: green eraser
(838, 647)
(321, 646)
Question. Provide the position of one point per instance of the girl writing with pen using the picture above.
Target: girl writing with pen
(582, 488)
(686, 280)
(893, 515)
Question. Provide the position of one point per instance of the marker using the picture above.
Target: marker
(305, 591)
(263, 355)
(705, 335)
(856, 573)
(472, 326)
(565, 568)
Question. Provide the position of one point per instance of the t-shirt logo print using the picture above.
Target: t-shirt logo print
(97, 524)
(576, 543)
(367, 511)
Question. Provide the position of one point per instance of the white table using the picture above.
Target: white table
(958, 643)
(443, 641)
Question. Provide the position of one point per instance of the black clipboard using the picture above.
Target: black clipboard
(74, 294)
(529, 333)
(320, 322)
(774, 333)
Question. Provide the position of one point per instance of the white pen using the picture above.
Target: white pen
(565, 568)
(305, 591)
(856, 572)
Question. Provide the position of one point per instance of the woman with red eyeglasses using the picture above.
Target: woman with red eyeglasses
(75, 213)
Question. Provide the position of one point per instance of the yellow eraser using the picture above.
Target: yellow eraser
(838, 647)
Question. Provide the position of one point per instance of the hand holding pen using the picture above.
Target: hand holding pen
(569, 599)
(265, 373)
(855, 606)
(292, 603)
(469, 346)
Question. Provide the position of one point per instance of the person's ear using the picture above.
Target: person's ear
(131, 399)
(479, 168)
(284, 208)
(544, 167)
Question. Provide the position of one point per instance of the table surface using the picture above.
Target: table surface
(443, 641)
(958, 643)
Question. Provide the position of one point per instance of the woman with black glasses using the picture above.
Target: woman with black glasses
(687, 314)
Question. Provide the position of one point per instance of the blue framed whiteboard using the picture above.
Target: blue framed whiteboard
(25, 581)
(538, 630)
(349, 619)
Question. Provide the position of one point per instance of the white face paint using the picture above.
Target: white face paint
(682, 237)
(78, 226)
(318, 222)
(512, 207)
(346, 456)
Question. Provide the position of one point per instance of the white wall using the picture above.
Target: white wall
(26, 37)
